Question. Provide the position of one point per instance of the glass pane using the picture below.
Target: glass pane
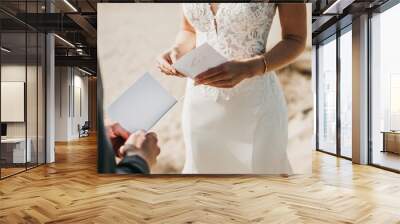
(327, 97)
(346, 94)
(31, 98)
(41, 98)
(13, 86)
(386, 89)
(31, 88)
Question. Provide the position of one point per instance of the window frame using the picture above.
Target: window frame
(334, 37)
(379, 10)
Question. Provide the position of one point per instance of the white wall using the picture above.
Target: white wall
(61, 103)
(12, 73)
(79, 117)
(16, 73)
(69, 82)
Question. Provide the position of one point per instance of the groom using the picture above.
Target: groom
(120, 151)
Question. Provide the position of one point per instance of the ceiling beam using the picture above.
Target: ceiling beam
(84, 24)
(320, 22)
(337, 7)
(78, 61)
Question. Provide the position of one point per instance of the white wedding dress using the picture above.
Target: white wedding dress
(241, 130)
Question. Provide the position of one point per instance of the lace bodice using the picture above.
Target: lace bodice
(240, 30)
(236, 30)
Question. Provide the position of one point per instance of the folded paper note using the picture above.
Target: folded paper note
(142, 105)
(199, 60)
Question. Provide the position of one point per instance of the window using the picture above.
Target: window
(394, 102)
(385, 89)
(327, 96)
(346, 93)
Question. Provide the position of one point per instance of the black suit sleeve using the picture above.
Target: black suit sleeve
(132, 164)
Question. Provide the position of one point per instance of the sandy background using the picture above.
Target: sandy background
(130, 37)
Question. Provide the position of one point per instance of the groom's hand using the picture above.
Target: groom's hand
(117, 135)
(142, 144)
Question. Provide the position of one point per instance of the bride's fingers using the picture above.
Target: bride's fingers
(166, 69)
(163, 70)
(208, 74)
(180, 74)
(165, 64)
(204, 80)
(217, 78)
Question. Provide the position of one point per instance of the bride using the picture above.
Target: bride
(235, 115)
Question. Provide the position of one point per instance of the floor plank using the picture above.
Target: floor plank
(70, 191)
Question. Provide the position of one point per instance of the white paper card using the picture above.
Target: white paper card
(199, 60)
(142, 105)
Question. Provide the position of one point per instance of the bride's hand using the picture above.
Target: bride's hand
(226, 75)
(166, 59)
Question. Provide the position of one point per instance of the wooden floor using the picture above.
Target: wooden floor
(70, 191)
(387, 159)
(5, 172)
(8, 171)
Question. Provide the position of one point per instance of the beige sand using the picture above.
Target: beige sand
(130, 36)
